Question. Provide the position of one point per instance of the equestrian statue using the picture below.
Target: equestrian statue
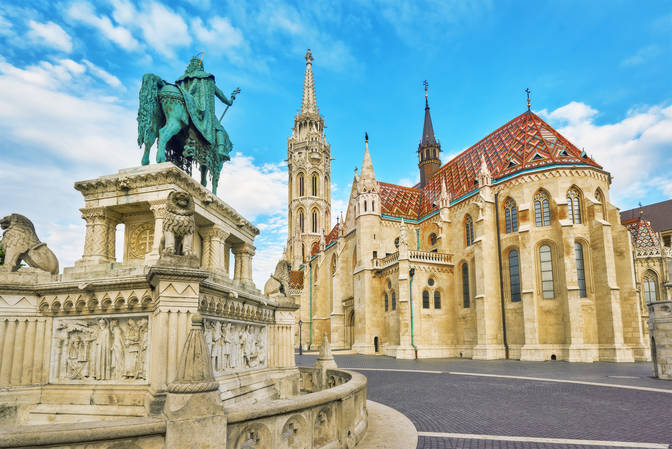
(182, 117)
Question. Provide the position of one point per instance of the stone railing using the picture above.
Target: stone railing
(430, 257)
(334, 417)
(653, 251)
(384, 262)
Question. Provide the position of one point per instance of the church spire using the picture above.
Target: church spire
(428, 129)
(429, 149)
(309, 103)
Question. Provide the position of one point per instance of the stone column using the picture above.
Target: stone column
(97, 245)
(158, 209)
(243, 267)
(215, 249)
(573, 311)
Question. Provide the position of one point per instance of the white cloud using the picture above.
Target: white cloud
(218, 31)
(642, 55)
(36, 114)
(49, 34)
(163, 29)
(636, 150)
(83, 12)
(102, 74)
(253, 190)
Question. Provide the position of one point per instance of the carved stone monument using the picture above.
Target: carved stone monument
(168, 344)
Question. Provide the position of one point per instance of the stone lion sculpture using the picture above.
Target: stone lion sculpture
(278, 284)
(179, 225)
(20, 243)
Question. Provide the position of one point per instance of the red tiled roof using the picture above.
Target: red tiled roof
(314, 248)
(399, 201)
(524, 143)
(643, 235)
(296, 279)
(333, 234)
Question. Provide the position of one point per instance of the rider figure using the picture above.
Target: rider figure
(199, 91)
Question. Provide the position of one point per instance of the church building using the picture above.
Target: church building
(509, 250)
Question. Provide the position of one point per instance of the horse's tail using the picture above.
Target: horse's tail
(149, 110)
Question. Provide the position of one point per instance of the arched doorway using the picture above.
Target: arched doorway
(351, 329)
(375, 344)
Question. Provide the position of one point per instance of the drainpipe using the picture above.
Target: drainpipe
(412, 273)
(310, 309)
(501, 279)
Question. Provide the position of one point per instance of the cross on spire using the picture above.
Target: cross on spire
(426, 84)
(527, 91)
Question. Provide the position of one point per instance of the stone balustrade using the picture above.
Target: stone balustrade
(333, 417)
(430, 257)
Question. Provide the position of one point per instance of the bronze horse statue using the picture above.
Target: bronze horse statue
(181, 116)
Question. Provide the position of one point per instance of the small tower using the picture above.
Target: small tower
(484, 176)
(309, 171)
(429, 150)
(368, 191)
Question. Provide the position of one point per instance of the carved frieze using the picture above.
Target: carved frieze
(235, 346)
(100, 350)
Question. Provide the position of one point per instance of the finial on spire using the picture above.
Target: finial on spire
(366, 137)
(527, 91)
(426, 84)
(309, 57)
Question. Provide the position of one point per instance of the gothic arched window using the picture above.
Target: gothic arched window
(394, 300)
(510, 216)
(469, 230)
(301, 190)
(650, 287)
(599, 196)
(314, 185)
(386, 304)
(546, 267)
(514, 275)
(437, 300)
(580, 269)
(574, 205)
(466, 297)
(542, 213)
(301, 221)
(433, 239)
(314, 221)
(425, 299)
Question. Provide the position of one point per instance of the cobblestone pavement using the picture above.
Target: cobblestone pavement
(449, 396)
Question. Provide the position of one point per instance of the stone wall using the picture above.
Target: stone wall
(660, 326)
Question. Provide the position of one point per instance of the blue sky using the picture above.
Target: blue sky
(70, 72)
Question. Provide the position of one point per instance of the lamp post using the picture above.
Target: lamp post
(300, 341)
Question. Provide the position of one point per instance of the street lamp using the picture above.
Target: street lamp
(300, 341)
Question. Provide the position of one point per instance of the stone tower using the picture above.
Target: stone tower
(309, 170)
(429, 149)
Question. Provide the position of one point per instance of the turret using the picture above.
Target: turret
(368, 191)
(429, 149)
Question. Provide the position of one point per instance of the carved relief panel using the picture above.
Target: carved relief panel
(235, 345)
(112, 349)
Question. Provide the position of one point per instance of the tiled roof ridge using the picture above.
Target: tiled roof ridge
(389, 184)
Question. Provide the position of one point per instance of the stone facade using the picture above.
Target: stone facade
(660, 327)
(510, 250)
(103, 339)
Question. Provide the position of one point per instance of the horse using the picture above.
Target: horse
(162, 114)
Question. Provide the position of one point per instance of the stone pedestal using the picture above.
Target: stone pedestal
(660, 330)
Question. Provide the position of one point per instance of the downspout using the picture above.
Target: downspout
(501, 279)
(310, 309)
(411, 273)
